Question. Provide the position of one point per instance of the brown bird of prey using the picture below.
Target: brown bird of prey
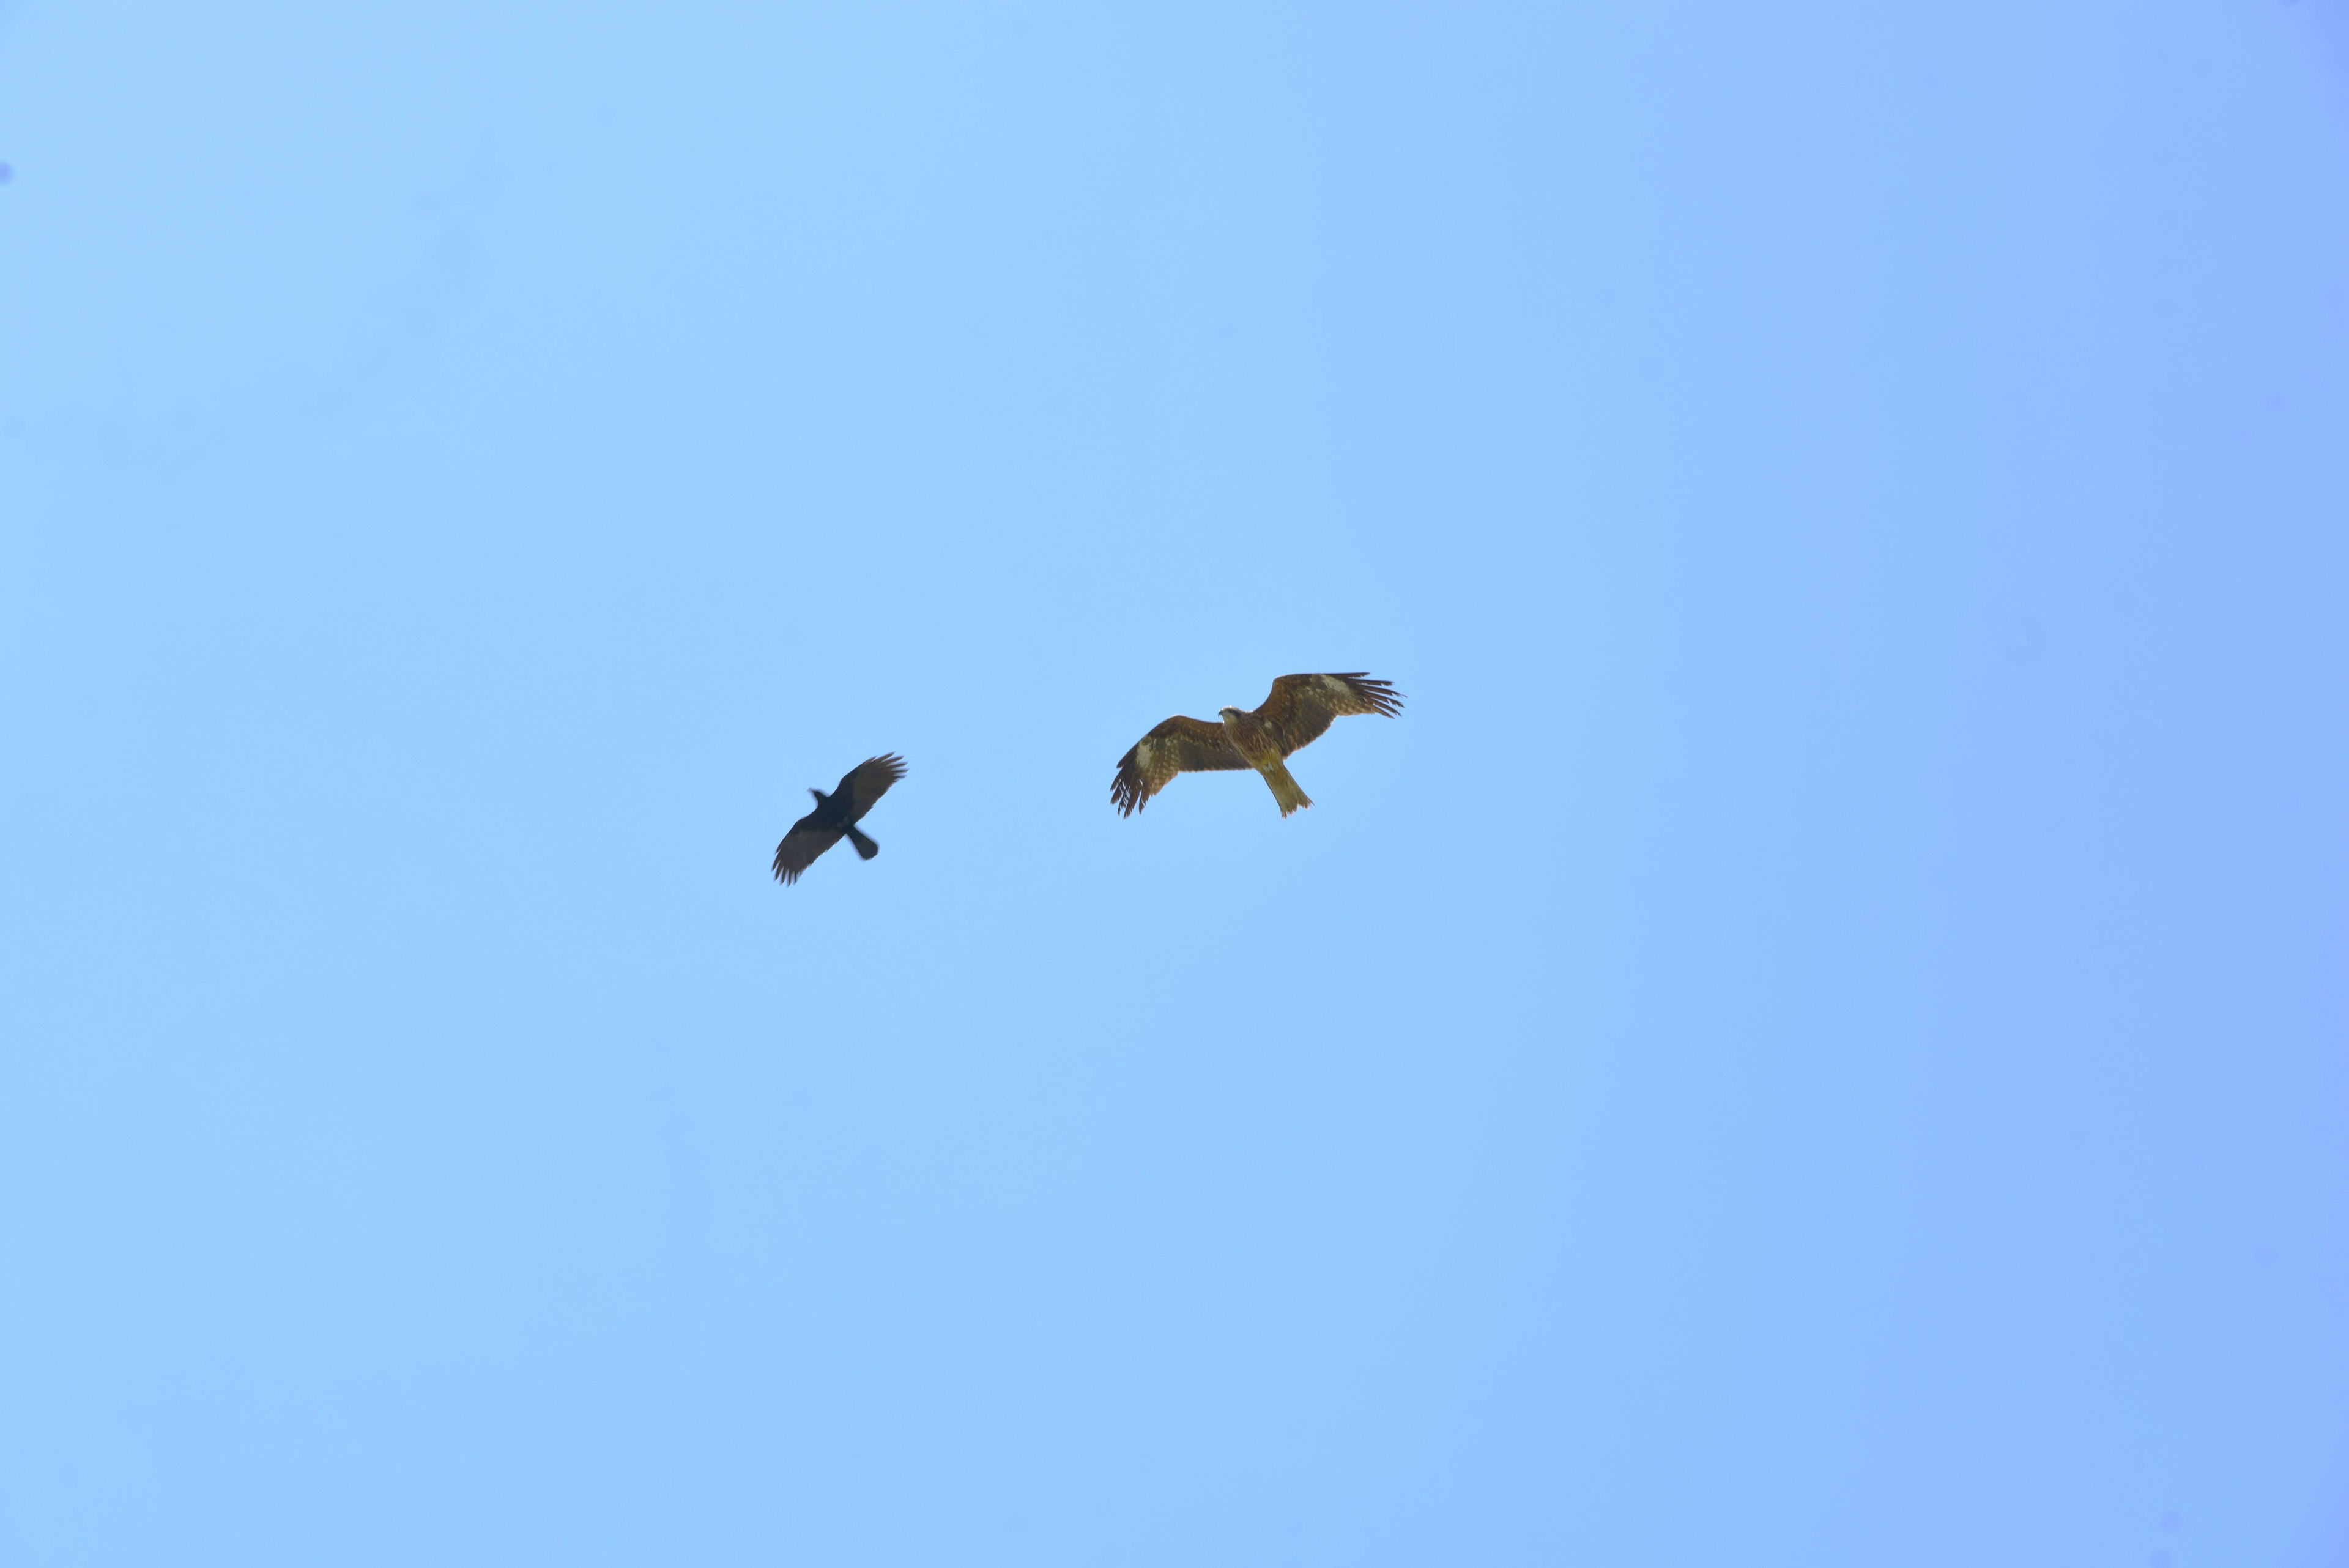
(1299, 709)
(835, 816)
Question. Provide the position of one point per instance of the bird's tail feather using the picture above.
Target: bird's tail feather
(865, 848)
(1284, 789)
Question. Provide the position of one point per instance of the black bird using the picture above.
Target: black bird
(837, 815)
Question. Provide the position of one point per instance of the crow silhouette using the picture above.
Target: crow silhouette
(835, 815)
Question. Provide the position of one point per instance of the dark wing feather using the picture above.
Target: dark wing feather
(867, 782)
(1180, 745)
(805, 841)
(1302, 707)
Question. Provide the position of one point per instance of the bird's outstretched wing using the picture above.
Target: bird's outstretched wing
(805, 841)
(1303, 706)
(1180, 745)
(867, 782)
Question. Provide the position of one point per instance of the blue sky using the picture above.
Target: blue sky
(1817, 1037)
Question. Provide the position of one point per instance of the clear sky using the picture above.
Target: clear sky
(1820, 1036)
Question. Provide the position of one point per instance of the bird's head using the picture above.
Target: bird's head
(820, 796)
(1227, 714)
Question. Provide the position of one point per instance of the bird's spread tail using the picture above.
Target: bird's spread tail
(865, 848)
(1284, 788)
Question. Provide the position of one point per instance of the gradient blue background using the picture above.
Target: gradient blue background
(1820, 1037)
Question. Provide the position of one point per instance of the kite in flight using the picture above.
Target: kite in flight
(837, 815)
(1299, 709)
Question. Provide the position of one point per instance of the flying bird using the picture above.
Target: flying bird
(1299, 709)
(835, 815)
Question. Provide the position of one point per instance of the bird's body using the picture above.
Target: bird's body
(1301, 708)
(835, 817)
(1258, 743)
